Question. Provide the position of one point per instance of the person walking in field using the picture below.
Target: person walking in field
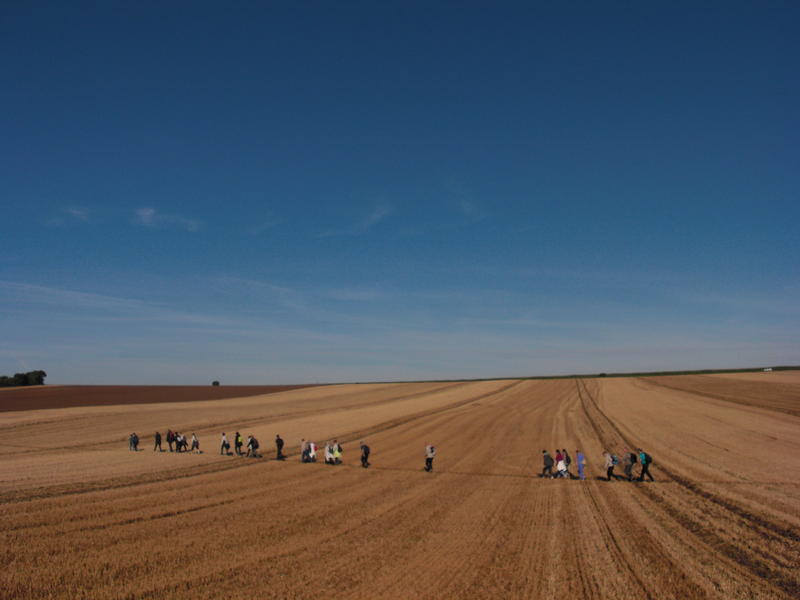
(547, 471)
(157, 445)
(609, 464)
(195, 444)
(567, 462)
(252, 447)
(646, 460)
(312, 452)
(224, 445)
(328, 453)
(238, 442)
(581, 464)
(170, 438)
(430, 454)
(305, 451)
(627, 465)
(628, 461)
(279, 447)
(561, 465)
(133, 443)
(178, 442)
(337, 452)
(364, 455)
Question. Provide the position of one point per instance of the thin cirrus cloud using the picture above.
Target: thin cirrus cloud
(69, 215)
(269, 223)
(378, 214)
(151, 217)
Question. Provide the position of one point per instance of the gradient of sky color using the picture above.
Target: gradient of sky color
(356, 191)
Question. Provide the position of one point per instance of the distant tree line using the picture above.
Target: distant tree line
(19, 379)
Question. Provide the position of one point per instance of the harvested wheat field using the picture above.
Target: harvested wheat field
(85, 518)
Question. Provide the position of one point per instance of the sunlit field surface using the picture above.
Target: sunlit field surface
(83, 517)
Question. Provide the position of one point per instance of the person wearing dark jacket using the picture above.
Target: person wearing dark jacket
(170, 439)
(133, 443)
(548, 464)
(646, 461)
(628, 461)
(279, 447)
(364, 455)
(158, 442)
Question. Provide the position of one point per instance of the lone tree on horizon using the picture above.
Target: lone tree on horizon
(215, 383)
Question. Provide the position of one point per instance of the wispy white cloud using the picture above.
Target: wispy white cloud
(364, 225)
(81, 214)
(99, 306)
(69, 215)
(148, 216)
(269, 222)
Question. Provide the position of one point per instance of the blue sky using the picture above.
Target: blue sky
(316, 191)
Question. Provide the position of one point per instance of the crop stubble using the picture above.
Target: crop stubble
(84, 518)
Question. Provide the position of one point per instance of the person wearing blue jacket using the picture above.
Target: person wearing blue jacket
(581, 463)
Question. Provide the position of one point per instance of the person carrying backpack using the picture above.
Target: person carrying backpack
(254, 447)
(364, 455)
(224, 445)
(646, 460)
(238, 442)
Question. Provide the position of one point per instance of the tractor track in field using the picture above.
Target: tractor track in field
(705, 534)
(614, 547)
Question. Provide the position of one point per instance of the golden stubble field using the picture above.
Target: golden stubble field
(82, 517)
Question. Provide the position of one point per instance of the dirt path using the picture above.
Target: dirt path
(482, 525)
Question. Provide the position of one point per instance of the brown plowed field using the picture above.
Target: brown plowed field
(65, 396)
(82, 517)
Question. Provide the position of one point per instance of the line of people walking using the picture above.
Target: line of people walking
(241, 447)
(176, 442)
(562, 462)
(629, 460)
(333, 451)
(557, 466)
